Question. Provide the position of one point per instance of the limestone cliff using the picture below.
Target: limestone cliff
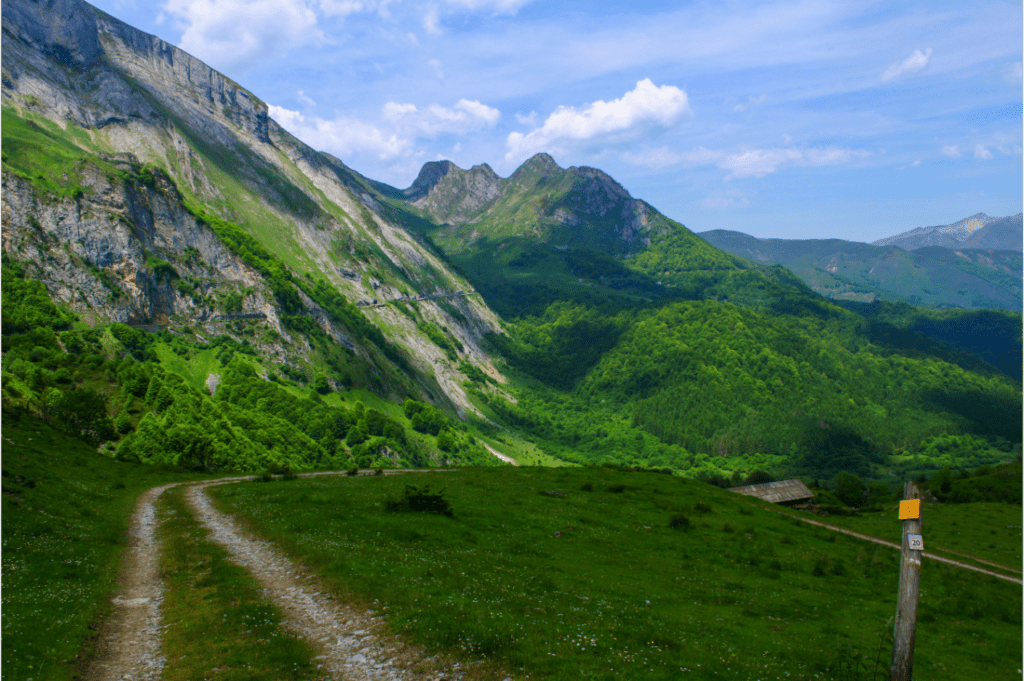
(116, 145)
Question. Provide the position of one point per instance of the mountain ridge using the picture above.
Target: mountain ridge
(971, 229)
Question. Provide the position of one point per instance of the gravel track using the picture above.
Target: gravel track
(128, 646)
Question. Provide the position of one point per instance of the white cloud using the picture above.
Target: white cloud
(530, 120)
(716, 202)
(751, 101)
(237, 35)
(308, 101)
(495, 6)
(912, 64)
(344, 8)
(982, 153)
(436, 65)
(638, 110)
(953, 151)
(761, 162)
(342, 136)
(912, 164)
(435, 119)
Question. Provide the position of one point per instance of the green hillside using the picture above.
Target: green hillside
(933, 276)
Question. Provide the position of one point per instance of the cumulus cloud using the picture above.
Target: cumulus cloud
(237, 35)
(912, 164)
(342, 136)
(953, 151)
(982, 153)
(308, 101)
(400, 126)
(912, 64)
(646, 106)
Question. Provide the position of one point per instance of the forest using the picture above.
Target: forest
(106, 385)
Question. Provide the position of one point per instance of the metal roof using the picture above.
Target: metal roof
(776, 492)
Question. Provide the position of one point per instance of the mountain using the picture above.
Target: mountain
(1006, 233)
(932, 276)
(308, 316)
(143, 187)
(1003, 233)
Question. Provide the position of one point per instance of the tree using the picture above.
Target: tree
(850, 490)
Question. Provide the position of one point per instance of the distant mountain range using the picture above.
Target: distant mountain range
(976, 231)
(974, 263)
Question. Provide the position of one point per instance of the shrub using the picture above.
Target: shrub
(702, 507)
(728, 528)
(617, 489)
(123, 424)
(421, 499)
(354, 471)
(587, 487)
(379, 471)
(679, 521)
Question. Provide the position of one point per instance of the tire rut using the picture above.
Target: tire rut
(128, 646)
(352, 641)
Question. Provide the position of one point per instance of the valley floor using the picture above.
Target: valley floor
(148, 637)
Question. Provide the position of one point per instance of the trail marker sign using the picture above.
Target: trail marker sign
(915, 542)
(910, 509)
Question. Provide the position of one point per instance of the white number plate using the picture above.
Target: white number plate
(915, 542)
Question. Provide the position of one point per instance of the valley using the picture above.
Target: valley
(479, 428)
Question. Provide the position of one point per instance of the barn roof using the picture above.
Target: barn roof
(776, 492)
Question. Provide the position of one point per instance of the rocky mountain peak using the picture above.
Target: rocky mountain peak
(540, 164)
(452, 194)
(62, 29)
(431, 173)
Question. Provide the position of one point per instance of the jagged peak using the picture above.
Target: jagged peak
(602, 178)
(431, 173)
(538, 164)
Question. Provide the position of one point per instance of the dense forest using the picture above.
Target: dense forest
(107, 385)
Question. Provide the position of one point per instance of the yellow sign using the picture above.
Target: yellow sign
(910, 509)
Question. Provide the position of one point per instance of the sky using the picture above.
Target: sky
(794, 119)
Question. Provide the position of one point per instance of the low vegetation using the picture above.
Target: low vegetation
(557, 581)
(216, 620)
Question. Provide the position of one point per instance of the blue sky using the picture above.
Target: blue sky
(790, 119)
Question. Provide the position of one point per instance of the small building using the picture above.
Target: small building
(782, 492)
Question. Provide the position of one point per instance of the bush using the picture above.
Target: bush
(617, 489)
(587, 487)
(679, 521)
(354, 471)
(123, 424)
(702, 507)
(426, 500)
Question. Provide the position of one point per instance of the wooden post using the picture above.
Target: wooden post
(902, 666)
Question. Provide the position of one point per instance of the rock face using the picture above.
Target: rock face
(572, 207)
(153, 137)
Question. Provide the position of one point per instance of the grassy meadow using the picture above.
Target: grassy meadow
(217, 623)
(599, 573)
(66, 512)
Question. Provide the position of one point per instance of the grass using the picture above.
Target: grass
(597, 585)
(217, 623)
(989, 531)
(65, 515)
